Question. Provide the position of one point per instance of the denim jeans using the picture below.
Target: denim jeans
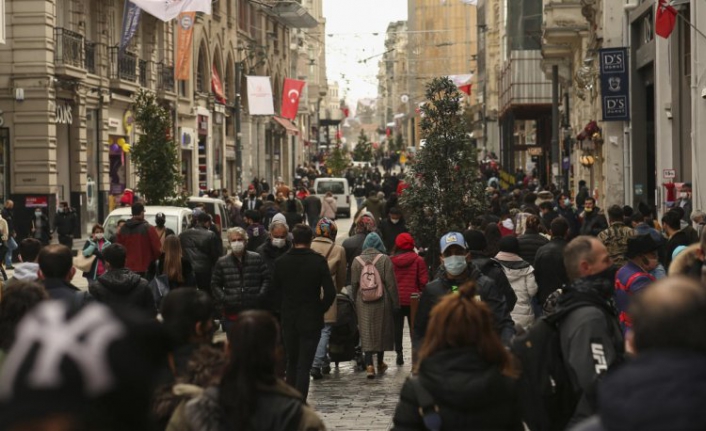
(11, 246)
(321, 359)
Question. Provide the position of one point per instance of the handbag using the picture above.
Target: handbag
(84, 263)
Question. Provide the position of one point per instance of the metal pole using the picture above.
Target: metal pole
(555, 123)
(238, 131)
(567, 141)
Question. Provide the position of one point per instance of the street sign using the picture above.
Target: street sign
(669, 174)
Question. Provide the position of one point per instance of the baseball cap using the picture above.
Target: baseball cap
(452, 238)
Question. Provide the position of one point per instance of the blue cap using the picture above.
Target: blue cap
(452, 238)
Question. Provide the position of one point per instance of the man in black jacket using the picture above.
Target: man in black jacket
(454, 272)
(491, 268)
(251, 202)
(549, 270)
(392, 226)
(312, 209)
(593, 221)
(122, 287)
(277, 245)
(56, 270)
(301, 275)
(65, 224)
(203, 248)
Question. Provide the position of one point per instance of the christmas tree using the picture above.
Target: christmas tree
(337, 161)
(363, 151)
(444, 192)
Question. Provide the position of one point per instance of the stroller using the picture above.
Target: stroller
(344, 344)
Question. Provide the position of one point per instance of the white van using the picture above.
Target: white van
(339, 188)
(177, 219)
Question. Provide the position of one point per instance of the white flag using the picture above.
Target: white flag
(167, 10)
(470, 2)
(260, 101)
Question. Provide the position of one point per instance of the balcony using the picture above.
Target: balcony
(89, 50)
(564, 22)
(165, 78)
(68, 54)
(522, 81)
(123, 70)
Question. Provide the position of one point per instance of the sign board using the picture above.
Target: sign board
(36, 202)
(669, 174)
(615, 84)
(534, 151)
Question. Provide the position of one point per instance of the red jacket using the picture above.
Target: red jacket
(142, 244)
(411, 275)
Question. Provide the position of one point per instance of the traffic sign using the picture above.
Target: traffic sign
(669, 174)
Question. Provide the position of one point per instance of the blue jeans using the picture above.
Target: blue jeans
(321, 360)
(11, 246)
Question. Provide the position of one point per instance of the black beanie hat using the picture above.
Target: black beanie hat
(509, 244)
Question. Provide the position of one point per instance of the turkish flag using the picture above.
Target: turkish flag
(665, 19)
(466, 88)
(290, 97)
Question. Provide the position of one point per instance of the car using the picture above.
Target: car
(178, 219)
(340, 190)
(218, 210)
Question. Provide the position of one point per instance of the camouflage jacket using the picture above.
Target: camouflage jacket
(615, 239)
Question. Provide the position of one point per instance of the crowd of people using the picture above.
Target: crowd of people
(541, 314)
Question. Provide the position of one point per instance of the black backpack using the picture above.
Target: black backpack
(547, 395)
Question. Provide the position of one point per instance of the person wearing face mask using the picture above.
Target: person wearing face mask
(392, 226)
(565, 209)
(39, 228)
(684, 201)
(455, 271)
(251, 202)
(240, 279)
(635, 274)
(293, 210)
(275, 246)
(65, 224)
(163, 231)
(593, 221)
(94, 246)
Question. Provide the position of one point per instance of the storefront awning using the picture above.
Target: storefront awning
(287, 125)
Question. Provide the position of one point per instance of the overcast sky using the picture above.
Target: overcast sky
(352, 24)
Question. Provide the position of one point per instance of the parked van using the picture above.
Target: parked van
(218, 210)
(178, 219)
(339, 188)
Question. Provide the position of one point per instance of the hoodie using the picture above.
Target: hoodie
(411, 274)
(124, 288)
(26, 271)
(520, 274)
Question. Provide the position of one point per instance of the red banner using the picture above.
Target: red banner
(290, 97)
(185, 37)
(217, 85)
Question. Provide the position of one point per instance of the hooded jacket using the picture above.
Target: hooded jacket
(411, 275)
(470, 393)
(492, 269)
(24, 271)
(374, 206)
(141, 242)
(520, 274)
(124, 287)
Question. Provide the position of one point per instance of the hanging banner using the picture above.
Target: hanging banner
(131, 21)
(260, 96)
(217, 85)
(290, 97)
(185, 37)
(463, 82)
(167, 10)
(615, 84)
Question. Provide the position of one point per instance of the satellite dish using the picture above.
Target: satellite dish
(404, 98)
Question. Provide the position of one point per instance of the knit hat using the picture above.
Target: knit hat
(475, 240)
(373, 241)
(404, 241)
(95, 364)
(326, 228)
(509, 244)
(279, 217)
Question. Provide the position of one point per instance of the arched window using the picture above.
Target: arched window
(203, 80)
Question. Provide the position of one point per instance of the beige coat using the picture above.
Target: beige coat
(328, 207)
(3, 229)
(337, 266)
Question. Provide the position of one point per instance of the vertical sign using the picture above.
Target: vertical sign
(615, 84)
(185, 37)
(131, 19)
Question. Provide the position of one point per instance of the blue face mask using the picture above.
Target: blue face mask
(455, 265)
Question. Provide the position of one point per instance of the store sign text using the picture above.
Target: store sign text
(64, 114)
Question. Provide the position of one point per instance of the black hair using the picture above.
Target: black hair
(372, 194)
(115, 255)
(160, 219)
(559, 227)
(302, 234)
(546, 206)
(56, 261)
(253, 215)
(672, 219)
(615, 213)
(628, 211)
(679, 211)
(182, 309)
(29, 249)
(19, 297)
(203, 218)
(590, 198)
(395, 211)
(637, 217)
(137, 208)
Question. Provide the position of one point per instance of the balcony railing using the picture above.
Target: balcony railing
(123, 65)
(69, 48)
(90, 56)
(522, 80)
(165, 77)
(142, 65)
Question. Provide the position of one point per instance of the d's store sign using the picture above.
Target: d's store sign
(63, 113)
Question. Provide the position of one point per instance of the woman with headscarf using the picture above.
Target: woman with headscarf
(325, 245)
(376, 315)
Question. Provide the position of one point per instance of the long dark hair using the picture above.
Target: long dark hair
(254, 341)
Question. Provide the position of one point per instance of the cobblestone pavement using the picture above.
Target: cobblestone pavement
(347, 400)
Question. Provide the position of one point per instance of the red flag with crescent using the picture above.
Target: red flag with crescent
(290, 97)
(665, 19)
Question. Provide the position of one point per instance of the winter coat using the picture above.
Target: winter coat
(629, 280)
(141, 242)
(270, 254)
(594, 223)
(337, 266)
(549, 271)
(520, 274)
(65, 223)
(486, 290)
(615, 238)
(247, 203)
(312, 209)
(470, 393)
(240, 285)
(124, 287)
(569, 213)
(411, 275)
(658, 390)
(389, 231)
(353, 246)
(44, 234)
(96, 248)
(375, 319)
(686, 263)
(374, 206)
(61, 289)
(257, 235)
(329, 208)
(303, 277)
(187, 273)
(530, 242)
(202, 247)
(24, 271)
(279, 407)
(494, 271)
(680, 237)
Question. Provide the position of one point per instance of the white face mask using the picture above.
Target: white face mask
(99, 236)
(279, 242)
(394, 220)
(682, 195)
(237, 246)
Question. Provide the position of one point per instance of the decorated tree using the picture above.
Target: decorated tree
(363, 151)
(444, 192)
(155, 154)
(337, 161)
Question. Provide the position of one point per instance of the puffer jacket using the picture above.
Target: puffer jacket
(242, 287)
(530, 242)
(471, 394)
(411, 275)
(202, 247)
(124, 287)
(141, 242)
(520, 274)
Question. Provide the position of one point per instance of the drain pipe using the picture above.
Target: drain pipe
(628, 193)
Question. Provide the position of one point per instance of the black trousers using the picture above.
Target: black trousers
(404, 311)
(301, 349)
(369, 358)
